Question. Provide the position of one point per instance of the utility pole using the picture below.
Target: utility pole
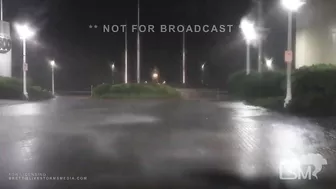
(126, 54)
(138, 45)
(183, 60)
(1, 7)
(261, 30)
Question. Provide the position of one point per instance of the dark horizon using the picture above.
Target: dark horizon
(84, 54)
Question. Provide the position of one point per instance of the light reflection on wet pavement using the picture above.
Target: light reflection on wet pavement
(157, 144)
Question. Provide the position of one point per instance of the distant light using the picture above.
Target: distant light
(164, 82)
(292, 5)
(249, 30)
(52, 63)
(269, 63)
(113, 66)
(146, 82)
(155, 75)
(24, 31)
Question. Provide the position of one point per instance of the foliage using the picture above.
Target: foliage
(256, 85)
(37, 93)
(11, 88)
(134, 91)
(314, 90)
(101, 89)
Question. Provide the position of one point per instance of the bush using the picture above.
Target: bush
(256, 85)
(134, 91)
(37, 93)
(11, 88)
(101, 89)
(314, 90)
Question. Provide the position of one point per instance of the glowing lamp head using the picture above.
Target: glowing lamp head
(113, 66)
(24, 31)
(248, 30)
(155, 75)
(52, 63)
(269, 63)
(292, 5)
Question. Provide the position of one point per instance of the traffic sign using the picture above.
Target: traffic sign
(288, 56)
(25, 67)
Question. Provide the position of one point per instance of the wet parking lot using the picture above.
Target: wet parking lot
(160, 144)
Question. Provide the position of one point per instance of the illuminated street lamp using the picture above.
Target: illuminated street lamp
(202, 68)
(53, 65)
(25, 33)
(269, 63)
(250, 34)
(113, 70)
(155, 76)
(113, 67)
(291, 6)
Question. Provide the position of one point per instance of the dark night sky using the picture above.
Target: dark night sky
(84, 54)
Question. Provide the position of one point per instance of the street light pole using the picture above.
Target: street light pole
(113, 69)
(248, 58)
(24, 69)
(1, 7)
(250, 34)
(52, 65)
(291, 6)
(183, 60)
(289, 64)
(126, 53)
(138, 45)
(202, 76)
(260, 27)
(53, 79)
(25, 32)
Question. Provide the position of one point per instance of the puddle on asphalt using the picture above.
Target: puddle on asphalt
(130, 119)
(21, 110)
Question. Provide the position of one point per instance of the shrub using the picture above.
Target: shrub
(135, 91)
(37, 93)
(256, 85)
(11, 88)
(101, 89)
(314, 90)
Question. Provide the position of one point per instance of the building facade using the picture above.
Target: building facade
(5, 50)
(316, 33)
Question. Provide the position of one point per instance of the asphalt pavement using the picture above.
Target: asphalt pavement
(10, 102)
(77, 142)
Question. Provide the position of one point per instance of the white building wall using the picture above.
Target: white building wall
(316, 33)
(5, 50)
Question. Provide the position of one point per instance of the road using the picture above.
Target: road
(157, 144)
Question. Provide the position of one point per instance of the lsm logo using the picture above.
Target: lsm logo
(304, 167)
